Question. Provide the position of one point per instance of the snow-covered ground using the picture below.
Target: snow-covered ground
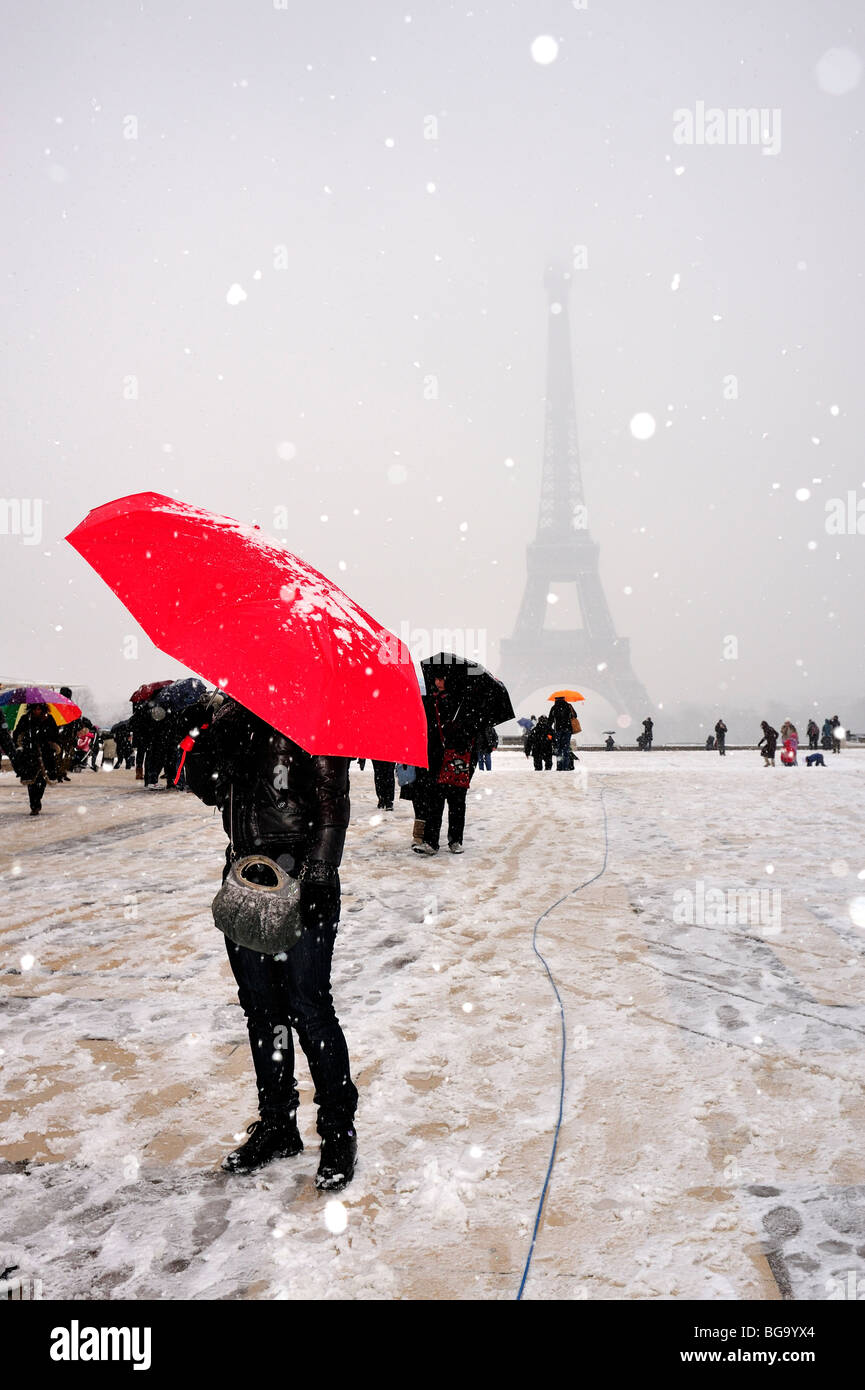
(714, 1109)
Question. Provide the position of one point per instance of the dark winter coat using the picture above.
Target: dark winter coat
(445, 728)
(141, 725)
(275, 798)
(540, 738)
(6, 744)
(769, 741)
(487, 740)
(38, 747)
(123, 738)
(561, 714)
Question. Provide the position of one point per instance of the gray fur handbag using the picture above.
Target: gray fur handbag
(263, 916)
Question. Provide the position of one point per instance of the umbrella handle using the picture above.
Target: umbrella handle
(187, 744)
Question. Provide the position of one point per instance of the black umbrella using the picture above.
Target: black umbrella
(179, 694)
(485, 699)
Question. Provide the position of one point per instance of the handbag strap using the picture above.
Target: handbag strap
(451, 721)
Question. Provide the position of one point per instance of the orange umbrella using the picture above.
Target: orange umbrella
(566, 695)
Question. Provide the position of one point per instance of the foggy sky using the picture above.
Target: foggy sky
(394, 327)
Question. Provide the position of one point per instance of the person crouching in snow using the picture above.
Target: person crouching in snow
(282, 802)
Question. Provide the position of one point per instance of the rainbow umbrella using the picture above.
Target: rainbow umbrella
(14, 702)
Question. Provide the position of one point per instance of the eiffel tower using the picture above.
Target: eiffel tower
(564, 553)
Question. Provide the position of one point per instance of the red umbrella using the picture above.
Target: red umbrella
(146, 692)
(247, 615)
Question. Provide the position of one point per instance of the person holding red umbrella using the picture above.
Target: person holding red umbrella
(279, 801)
(314, 680)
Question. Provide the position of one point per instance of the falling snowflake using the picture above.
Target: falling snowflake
(544, 49)
(335, 1217)
(642, 425)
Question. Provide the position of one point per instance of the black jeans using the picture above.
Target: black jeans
(436, 797)
(35, 792)
(280, 995)
(385, 781)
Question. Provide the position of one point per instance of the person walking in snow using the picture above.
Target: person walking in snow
(67, 736)
(123, 739)
(7, 745)
(411, 790)
(813, 732)
(445, 780)
(561, 715)
(768, 743)
(109, 748)
(836, 736)
(385, 783)
(721, 738)
(826, 734)
(527, 737)
(162, 753)
(541, 744)
(648, 733)
(39, 753)
(141, 732)
(276, 799)
(485, 743)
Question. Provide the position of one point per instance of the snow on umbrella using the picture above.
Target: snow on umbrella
(15, 700)
(566, 695)
(146, 692)
(180, 694)
(261, 624)
(486, 698)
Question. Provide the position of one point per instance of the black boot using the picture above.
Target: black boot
(268, 1139)
(338, 1157)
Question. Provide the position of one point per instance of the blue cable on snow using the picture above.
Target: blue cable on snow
(550, 909)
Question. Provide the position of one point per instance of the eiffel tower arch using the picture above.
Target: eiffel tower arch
(563, 552)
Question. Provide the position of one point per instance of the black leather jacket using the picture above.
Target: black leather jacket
(275, 798)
